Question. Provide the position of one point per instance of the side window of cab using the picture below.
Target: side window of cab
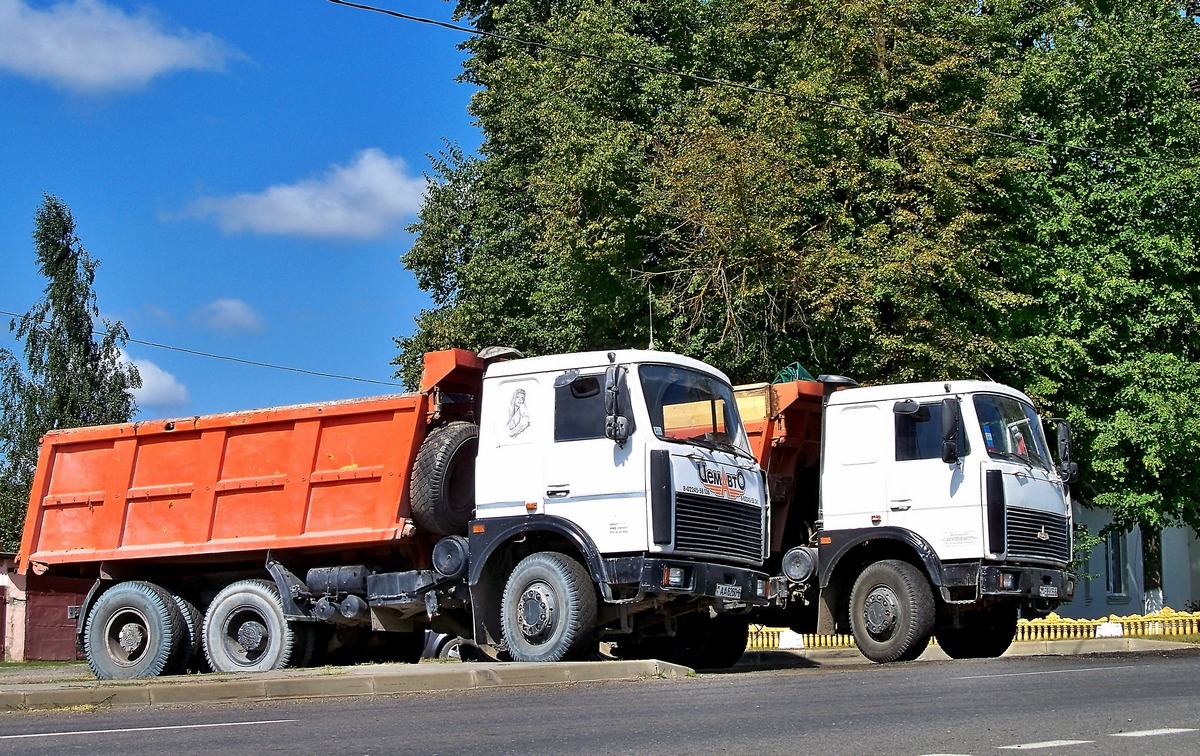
(579, 409)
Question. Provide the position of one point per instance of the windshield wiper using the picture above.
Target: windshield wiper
(719, 445)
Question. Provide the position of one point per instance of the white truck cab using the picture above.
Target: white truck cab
(884, 467)
(636, 461)
(941, 514)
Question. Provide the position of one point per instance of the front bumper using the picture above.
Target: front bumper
(1010, 581)
(679, 577)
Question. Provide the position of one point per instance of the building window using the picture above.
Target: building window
(1116, 561)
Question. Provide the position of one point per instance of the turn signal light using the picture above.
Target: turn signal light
(1009, 581)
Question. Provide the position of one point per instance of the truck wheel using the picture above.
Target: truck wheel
(891, 611)
(134, 629)
(245, 629)
(442, 492)
(548, 609)
(727, 638)
(983, 634)
(191, 647)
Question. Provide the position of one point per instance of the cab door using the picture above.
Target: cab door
(936, 500)
(588, 478)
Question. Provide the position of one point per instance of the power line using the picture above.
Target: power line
(708, 80)
(227, 358)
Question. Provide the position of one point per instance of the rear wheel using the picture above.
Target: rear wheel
(891, 611)
(245, 629)
(191, 645)
(135, 629)
(548, 610)
(983, 634)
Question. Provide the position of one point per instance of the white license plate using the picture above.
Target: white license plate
(729, 591)
(1048, 591)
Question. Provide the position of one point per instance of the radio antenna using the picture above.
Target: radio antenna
(650, 300)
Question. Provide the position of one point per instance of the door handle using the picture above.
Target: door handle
(557, 493)
(901, 505)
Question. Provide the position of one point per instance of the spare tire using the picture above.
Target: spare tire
(442, 490)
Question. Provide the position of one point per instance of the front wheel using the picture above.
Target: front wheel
(983, 634)
(548, 609)
(891, 611)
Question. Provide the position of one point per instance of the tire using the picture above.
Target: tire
(548, 609)
(983, 634)
(451, 650)
(191, 645)
(133, 630)
(442, 491)
(727, 638)
(245, 629)
(891, 612)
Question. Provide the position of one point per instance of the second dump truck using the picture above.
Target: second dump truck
(538, 506)
(911, 511)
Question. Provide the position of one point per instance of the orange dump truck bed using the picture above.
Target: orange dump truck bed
(783, 422)
(301, 476)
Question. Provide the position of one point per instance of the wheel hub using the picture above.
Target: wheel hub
(535, 611)
(131, 637)
(881, 611)
(252, 635)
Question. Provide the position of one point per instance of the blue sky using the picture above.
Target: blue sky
(244, 171)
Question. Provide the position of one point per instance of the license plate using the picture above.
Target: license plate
(1048, 591)
(729, 591)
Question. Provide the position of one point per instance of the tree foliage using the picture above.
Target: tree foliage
(69, 377)
(851, 202)
(1110, 247)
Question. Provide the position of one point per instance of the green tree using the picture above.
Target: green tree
(1109, 244)
(535, 242)
(69, 377)
(765, 229)
(822, 216)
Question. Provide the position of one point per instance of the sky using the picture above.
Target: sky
(243, 171)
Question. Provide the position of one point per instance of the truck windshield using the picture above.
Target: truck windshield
(691, 407)
(1012, 430)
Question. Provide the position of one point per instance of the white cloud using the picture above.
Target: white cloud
(229, 316)
(366, 199)
(160, 390)
(87, 46)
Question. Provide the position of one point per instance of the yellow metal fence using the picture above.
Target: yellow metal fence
(1168, 622)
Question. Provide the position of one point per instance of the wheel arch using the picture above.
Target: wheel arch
(505, 542)
(850, 551)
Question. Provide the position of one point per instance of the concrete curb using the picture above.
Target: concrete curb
(363, 680)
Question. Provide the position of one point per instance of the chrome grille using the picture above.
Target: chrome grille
(715, 527)
(1042, 536)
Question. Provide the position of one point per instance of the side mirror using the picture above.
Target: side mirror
(616, 425)
(911, 408)
(1067, 469)
(951, 430)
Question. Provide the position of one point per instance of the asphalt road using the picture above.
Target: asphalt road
(1121, 703)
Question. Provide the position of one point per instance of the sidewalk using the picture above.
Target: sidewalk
(25, 687)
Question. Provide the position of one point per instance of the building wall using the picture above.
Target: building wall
(14, 611)
(1095, 597)
(36, 624)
